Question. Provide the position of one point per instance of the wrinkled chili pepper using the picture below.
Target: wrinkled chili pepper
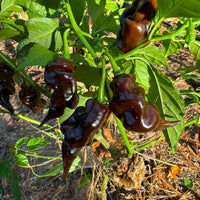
(31, 98)
(80, 128)
(134, 25)
(146, 11)
(7, 86)
(61, 78)
(129, 105)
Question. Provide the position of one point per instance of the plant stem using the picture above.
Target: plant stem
(196, 120)
(26, 118)
(66, 46)
(78, 30)
(101, 139)
(125, 55)
(155, 28)
(124, 136)
(25, 76)
(150, 143)
(115, 67)
(108, 89)
(150, 39)
(101, 90)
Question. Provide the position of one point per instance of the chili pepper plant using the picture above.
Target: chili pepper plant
(109, 46)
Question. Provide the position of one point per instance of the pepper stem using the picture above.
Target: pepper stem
(101, 90)
(78, 30)
(115, 67)
(66, 46)
(124, 136)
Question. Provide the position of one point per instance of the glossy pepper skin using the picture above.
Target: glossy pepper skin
(7, 86)
(146, 11)
(31, 98)
(129, 105)
(80, 128)
(61, 78)
(134, 25)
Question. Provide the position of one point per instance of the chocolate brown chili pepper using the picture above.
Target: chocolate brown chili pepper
(134, 25)
(129, 105)
(61, 78)
(7, 86)
(31, 98)
(80, 128)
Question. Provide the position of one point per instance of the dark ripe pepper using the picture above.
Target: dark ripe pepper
(7, 86)
(68, 155)
(80, 128)
(131, 34)
(134, 25)
(146, 12)
(61, 78)
(31, 98)
(129, 105)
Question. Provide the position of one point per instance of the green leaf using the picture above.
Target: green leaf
(140, 69)
(109, 24)
(58, 41)
(77, 9)
(5, 167)
(14, 185)
(178, 8)
(20, 142)
(41, 30)
(194, 95)
(35, 9)
(8, 33)
(191, 35)
(95, 10)
(142, 75)
(188, 183)
(170, 47)
(69, 112)
(111, 5)
(75, 164)
(36, 143)
(40, 8)
(152, 54)
(195, 49)
(38, 55)
(8, 6)
(169, 103)
(13, 29)
(21, 160)
(84, 180)
(105, 183)
(58, 169)
(190, 76)
(88, 75)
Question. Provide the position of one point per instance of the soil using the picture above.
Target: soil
(154, 173)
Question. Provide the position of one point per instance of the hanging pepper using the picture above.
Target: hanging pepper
(129, 105)
(80, 128)
(61, 78)
(134, 24)
(31, 98)
(7, 86)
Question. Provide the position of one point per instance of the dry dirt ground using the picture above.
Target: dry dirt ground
(154, 173)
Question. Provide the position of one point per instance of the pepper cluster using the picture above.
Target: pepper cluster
(31, 98)
(61, 78)
(80, 128)
(134, 24)
(7, 86)
(129, 105)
